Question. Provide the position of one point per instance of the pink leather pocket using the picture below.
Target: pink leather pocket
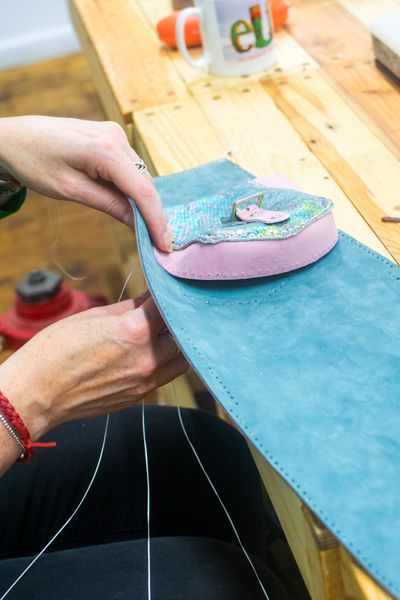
(283, 247)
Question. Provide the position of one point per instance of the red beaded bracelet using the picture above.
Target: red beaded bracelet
(18, 427)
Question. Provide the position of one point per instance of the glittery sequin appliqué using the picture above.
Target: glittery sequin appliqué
(200, 220)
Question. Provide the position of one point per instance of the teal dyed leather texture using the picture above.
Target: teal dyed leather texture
(308, 366)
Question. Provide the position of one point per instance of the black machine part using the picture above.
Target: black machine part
(39, 286)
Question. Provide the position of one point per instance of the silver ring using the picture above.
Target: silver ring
(140, 165)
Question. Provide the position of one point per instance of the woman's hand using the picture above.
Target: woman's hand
(98, 361)
(86, 161)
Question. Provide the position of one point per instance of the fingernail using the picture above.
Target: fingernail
(168, 240)
(129, 220)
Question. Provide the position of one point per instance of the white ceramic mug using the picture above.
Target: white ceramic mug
(237, 35)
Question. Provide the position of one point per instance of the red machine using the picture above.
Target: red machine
(41, 298)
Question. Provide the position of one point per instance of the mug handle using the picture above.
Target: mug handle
(205, 60)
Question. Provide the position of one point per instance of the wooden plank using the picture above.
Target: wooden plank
(107, 95)
(129, 71)
(177, 137)
(362, 165)
(292, 57)
(357, 584)
(247, 127)
(346, 55)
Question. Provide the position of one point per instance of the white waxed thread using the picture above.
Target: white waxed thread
(56, 239)
(124, 286)
(69, 518)
(146, 458)
(219, 498)
(84, 495)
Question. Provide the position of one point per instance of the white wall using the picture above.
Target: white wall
(33, 30)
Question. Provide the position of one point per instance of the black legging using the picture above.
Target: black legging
(102, 552)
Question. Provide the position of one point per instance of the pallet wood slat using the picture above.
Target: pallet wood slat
(128, 68)
(177, 137)
(348, 59)
(108, 97)
(362, 165)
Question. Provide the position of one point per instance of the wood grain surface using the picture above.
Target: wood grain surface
(366, 171)
(130, 71)
(342, 45)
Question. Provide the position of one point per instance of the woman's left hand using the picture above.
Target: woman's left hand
(86, 161)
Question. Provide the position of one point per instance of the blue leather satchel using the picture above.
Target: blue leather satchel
(308, 366)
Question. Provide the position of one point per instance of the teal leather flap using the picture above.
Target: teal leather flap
(308, 366)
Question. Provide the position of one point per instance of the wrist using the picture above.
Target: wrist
(26, 397)
(12, 131)
(10, 451)
(10, 187)
(17, 429)
(6, 135)
(10, 191)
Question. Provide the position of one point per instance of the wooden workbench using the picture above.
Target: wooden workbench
(324, 117)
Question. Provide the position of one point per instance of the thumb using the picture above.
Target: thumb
(140, 186)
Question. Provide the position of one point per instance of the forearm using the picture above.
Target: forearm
(6, 136)
(12, 194)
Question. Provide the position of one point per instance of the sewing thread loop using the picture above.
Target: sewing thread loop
(146, 458)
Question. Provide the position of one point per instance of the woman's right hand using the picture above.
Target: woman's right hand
(98, 361)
